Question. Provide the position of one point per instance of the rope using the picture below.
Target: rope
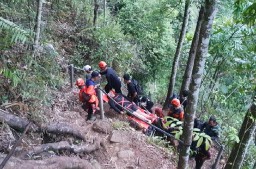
(155, 127)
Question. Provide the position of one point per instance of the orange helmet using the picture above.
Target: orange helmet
(102, 64)
(80, 82)
(175, 102)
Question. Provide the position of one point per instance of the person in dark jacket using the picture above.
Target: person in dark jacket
(211, 128)
(113, 81)
(132, 93)
(146, 104)
(201, 156)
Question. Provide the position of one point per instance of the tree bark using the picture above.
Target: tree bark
(202, 50)
(236, 158)
(177, 54)
(95, 13)
(38, 23)
(192, 53)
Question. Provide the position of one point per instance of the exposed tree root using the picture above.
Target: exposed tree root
(20, 124)
(63, 128)
(15, 122)
(64, 145)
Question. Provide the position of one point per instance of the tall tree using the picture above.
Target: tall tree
(236, 158)
(177, 53)
(38, 23)
(192, 53)
(202, 50)
(95, 13)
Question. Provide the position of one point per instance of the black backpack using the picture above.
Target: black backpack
(138, 88)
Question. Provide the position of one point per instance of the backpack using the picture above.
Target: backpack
(138, 88)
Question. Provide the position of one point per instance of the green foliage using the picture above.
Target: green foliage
(161, 142)
(172, 122)
(17, 34)
(120, 125)
(11, 75)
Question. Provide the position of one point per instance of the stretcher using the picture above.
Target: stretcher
(136, 120)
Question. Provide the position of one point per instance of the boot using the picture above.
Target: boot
(89, 116)
(92, 118)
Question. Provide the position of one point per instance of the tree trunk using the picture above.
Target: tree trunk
(38, 23)
(192, 53)
(177, 54)
(202, 50)
(105, 6)
(236, 158)
(95, 12)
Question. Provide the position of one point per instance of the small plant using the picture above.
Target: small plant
(120, 125)
(161, 142)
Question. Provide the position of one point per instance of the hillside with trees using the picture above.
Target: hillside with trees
(206, 47)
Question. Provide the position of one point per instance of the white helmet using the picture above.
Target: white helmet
(87, 68)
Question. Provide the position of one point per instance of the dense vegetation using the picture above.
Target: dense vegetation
(137, 37)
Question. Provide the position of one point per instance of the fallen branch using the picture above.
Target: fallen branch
(14, 147)
(64, 145)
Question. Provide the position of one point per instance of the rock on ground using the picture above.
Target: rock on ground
(126, 154)
(102, 127)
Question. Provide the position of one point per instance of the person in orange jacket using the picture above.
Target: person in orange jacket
(87, 95)
(176, 110)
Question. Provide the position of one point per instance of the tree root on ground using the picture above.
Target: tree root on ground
(62, 128)
(63, 145)
(20, 124)
(16, 122)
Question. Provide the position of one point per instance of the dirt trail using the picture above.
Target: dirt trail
(122, 146)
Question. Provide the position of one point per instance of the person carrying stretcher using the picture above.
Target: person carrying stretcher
(176, 110)
(120, 101)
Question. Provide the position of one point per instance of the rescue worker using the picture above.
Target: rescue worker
(158, 111)
(132, 92)
(120, 101)
(176, 110)
(211, 128)
(202, 155)
(146, 103)
(111, 76)
(88, 71)
(87, 95)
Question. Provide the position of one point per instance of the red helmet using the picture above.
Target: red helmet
(80, 82)
(175, 102)
(102, 64)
